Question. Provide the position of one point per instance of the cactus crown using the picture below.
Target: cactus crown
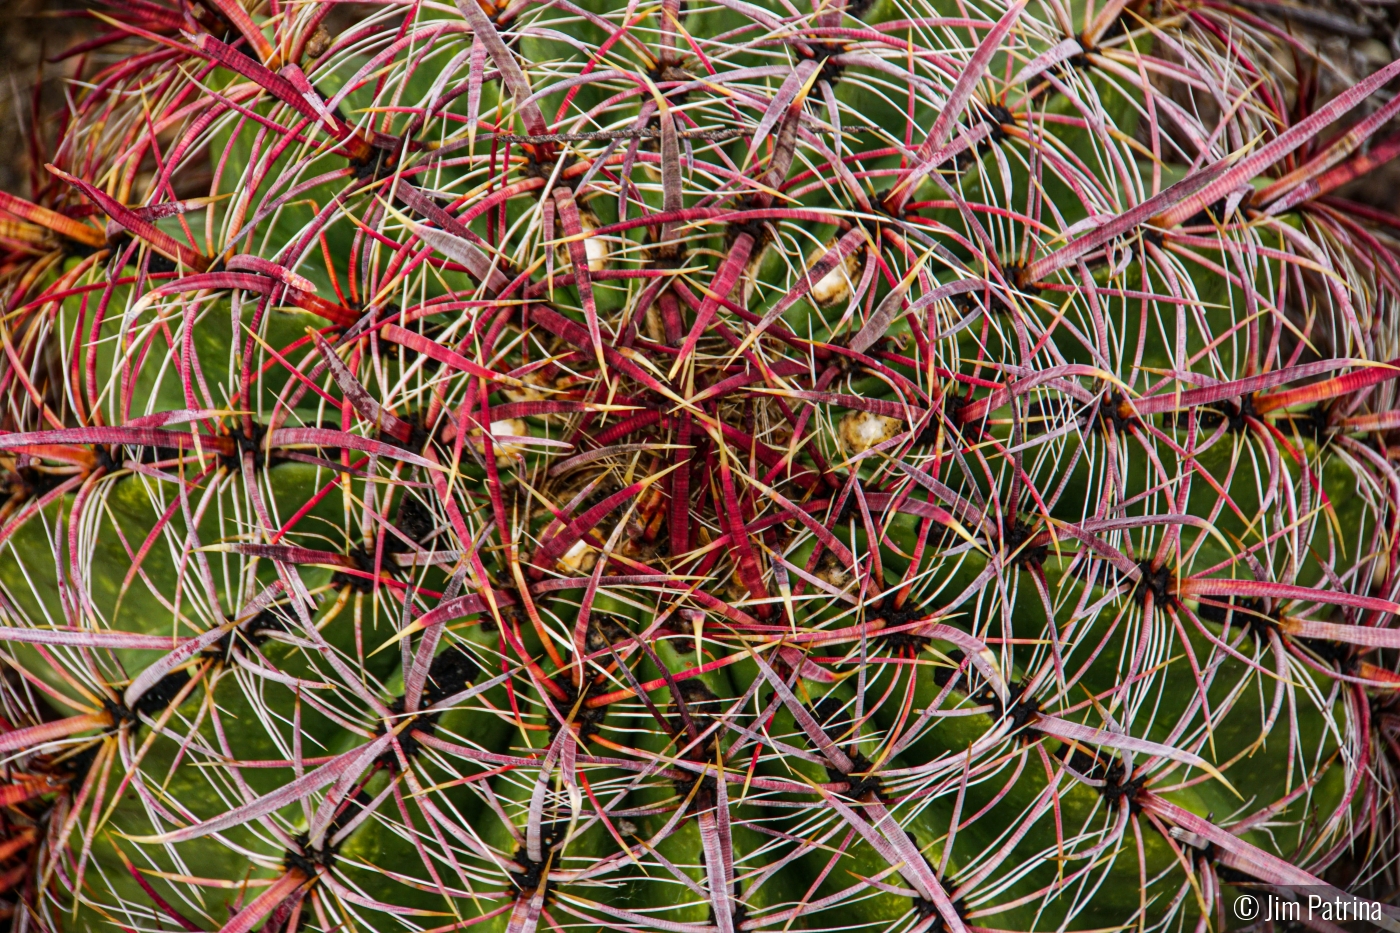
(893, 466)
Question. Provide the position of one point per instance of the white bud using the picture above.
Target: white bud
(506, 451)
(835, 287)
(579, 559)
(862, 430)
(594, 248)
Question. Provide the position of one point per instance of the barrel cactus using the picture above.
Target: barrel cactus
(698, 467)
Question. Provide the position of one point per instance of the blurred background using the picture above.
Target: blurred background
(40, 55)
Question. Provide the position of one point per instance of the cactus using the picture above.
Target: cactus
(681, 467)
